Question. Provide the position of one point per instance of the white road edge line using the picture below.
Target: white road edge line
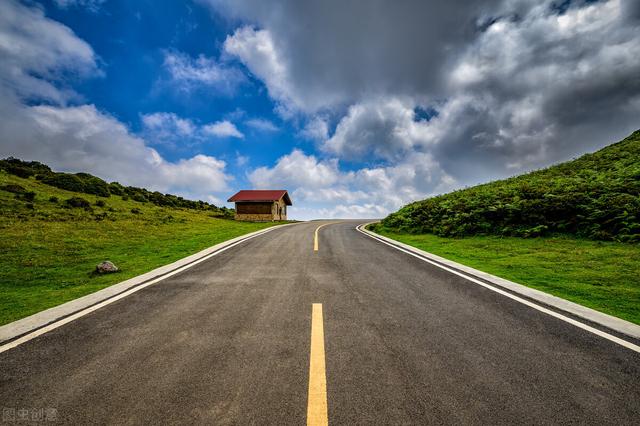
(550, 312)
(40, 331)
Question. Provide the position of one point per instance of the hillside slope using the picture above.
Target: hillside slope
(51, 238)
(596, 196)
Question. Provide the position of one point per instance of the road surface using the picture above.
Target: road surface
(229, 341)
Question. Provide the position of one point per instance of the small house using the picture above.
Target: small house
(261, 205)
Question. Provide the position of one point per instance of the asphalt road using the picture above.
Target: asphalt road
(228, 342)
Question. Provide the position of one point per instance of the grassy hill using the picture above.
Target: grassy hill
(596, 196)
(51, 238)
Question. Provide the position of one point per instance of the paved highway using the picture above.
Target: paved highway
(391, 339)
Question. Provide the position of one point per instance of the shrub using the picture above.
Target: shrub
(79, 182)
(94, 185)
(100, 203)
(53, 199)
(64, 181)
(30, 206)
(19, 171)
(28, 196)
(23, 169)
(116, 189)
(16, 189)
(125, 198)
(136, 210)
(139, 197)
(78, 202)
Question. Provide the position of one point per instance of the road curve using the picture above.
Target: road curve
(228, 342)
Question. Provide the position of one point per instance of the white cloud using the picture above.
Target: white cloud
(38, 55)
(316, 129)
(262, 125)
(319, 188)
(256, 49)
(241, 160)
(386, 128)
(170, 129)
(189, 73)
(168, 124)
(297, 169)
(84, 139)
(222, 129)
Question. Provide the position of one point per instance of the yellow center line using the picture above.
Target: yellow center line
(315, 235)
(317, 404)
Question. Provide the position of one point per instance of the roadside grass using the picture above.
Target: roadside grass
(48, 252)
(604, 276)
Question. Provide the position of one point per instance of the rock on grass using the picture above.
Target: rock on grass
(106, 267)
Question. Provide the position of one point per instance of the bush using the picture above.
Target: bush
(116, 189)
(28, 196)
(125, 198)
(79, 182)
(64, 181)
(13, 188)
(94, 185)
(78, 202)
(23, 169)
(100, 203)
(19, 171)
(53, 199)
(139, 198)
(136, 210)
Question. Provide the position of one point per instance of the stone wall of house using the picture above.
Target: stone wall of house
(278, 212)
(255, 217)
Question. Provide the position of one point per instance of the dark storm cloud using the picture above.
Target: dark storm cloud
(340, 51)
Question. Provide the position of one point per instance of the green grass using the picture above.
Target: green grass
(48, 252)
(601, 275)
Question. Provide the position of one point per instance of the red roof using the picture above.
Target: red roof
(255, 195)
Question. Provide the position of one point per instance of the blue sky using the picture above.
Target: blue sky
(356, 108)
(136, 82)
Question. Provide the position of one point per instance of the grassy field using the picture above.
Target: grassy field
(601, 275)
(49, 251)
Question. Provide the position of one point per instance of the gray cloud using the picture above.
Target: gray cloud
(336, 52)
